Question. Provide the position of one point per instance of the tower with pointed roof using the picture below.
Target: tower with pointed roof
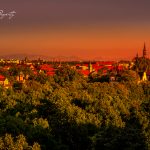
(144, 51)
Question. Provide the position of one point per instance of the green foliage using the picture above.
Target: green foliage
(128, 75)
(42, 78)
(69, 112)
(17, 85)
(141, 64)
(41, 122)
(8, 142)
(66, 74)
(118, 138)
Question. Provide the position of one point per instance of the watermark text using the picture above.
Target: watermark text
(8, 15)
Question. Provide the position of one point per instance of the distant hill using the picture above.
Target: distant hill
(37, 56)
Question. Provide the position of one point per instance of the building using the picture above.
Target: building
(4, 81)
(144, 51)
(143, 77)
(142, 65)
(21, 77)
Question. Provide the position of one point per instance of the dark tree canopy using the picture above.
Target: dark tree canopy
(69, 112)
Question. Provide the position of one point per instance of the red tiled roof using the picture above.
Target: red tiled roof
(50, 73)
(105, 63)
(86, 65)
(35, 72)
(2, 78)
(6, 67)
(110, 67)
(120, 67)
(84, 72)
(78, 65)
(46, 67)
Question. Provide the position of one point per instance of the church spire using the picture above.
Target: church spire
(144, 51)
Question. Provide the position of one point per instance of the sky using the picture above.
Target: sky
(89, 29)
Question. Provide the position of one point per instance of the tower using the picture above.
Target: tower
(144, 51)
(90, 67)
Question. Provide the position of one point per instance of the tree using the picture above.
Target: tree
(128, 75)
(141, 64)
(17, 143)
(66, 74)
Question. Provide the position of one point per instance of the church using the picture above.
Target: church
(142, 65)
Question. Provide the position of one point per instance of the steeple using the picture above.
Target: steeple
(144, 51)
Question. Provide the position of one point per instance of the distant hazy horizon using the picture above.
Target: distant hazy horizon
(32, 56)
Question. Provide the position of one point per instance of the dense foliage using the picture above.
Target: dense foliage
(68, 111)
(141, 64)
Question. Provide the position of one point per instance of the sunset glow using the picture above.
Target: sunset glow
(97, 29)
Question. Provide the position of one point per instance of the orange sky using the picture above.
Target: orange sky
(87, 29)
(88, 42)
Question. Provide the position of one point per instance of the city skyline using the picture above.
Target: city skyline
(76, 28)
